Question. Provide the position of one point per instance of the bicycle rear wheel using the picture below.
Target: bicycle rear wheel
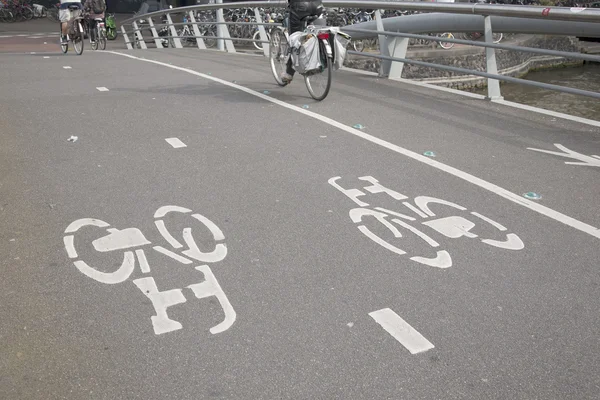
(318, 84)
(278, 54)
(102, 40)
(94, 38)
(78, 38)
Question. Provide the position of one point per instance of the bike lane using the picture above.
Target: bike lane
(301, 276)
(501, 144)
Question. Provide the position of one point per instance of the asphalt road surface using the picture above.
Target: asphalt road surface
(185, 229)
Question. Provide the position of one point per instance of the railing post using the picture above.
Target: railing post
(261, 32)
(199, 41)
(126, 38)
(384, 66)
(397, 48)
(157, 40)
(138, 34)
(223, 32)
(173, 31)
(492, 68)
(220, 43)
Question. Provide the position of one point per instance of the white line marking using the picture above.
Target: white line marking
(69, 245)
(143, 261)
(503, 102)
(415, 210)
(174, 256)
(401, 331)
(515, 198)
(572, 154)
(176, 143)
(102, 89)
(66, 67)
(160, 224)
(46, 56)
(495, 224)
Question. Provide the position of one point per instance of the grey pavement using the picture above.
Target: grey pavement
(518, 323)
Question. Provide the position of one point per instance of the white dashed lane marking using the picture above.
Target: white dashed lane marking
(401, 331)
(102, 89)
(176, 143)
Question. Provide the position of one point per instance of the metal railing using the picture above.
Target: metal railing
(393, 44)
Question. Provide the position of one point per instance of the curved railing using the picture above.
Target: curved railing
(394, 33)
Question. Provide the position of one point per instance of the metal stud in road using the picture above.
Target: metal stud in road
(532, 196)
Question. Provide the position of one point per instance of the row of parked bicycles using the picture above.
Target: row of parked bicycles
(20, 10)
(244, 31)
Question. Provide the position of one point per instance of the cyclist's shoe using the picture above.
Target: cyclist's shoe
(286, 78)
(63, 39)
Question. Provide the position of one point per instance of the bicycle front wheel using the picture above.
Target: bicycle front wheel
(497, 37)
(318, 84)
(278, 55)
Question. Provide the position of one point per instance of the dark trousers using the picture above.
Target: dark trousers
(299, 10)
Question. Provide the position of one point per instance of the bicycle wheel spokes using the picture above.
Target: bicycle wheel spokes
(102, 40)
(278, 55)
(78, 38)
(318, 84)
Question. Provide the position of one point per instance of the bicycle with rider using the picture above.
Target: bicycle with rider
(299, 9)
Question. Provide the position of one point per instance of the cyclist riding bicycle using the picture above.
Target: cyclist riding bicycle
(299, 9)
(64, 15)
(95, 10)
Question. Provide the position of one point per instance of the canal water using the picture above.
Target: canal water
(585, 77)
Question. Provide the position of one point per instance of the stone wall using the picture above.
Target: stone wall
(510, 63)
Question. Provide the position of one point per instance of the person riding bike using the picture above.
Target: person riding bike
(64, 15)
(94, 9)
(299, 9)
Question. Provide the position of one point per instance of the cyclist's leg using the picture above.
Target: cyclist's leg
(295, 25)
(299, 10)
(92, 25)
(63, 17)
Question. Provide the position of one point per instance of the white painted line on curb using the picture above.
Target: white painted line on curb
(176, 143)
(102, 89)
(66, 67)
(401, 331)
(515, 198)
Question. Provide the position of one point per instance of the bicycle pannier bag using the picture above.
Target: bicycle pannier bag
(341, 42)
(305, 54)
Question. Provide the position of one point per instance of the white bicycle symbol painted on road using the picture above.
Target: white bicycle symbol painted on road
(452, 227)
(132, 241)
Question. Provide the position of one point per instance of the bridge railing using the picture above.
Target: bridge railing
(393, 33)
